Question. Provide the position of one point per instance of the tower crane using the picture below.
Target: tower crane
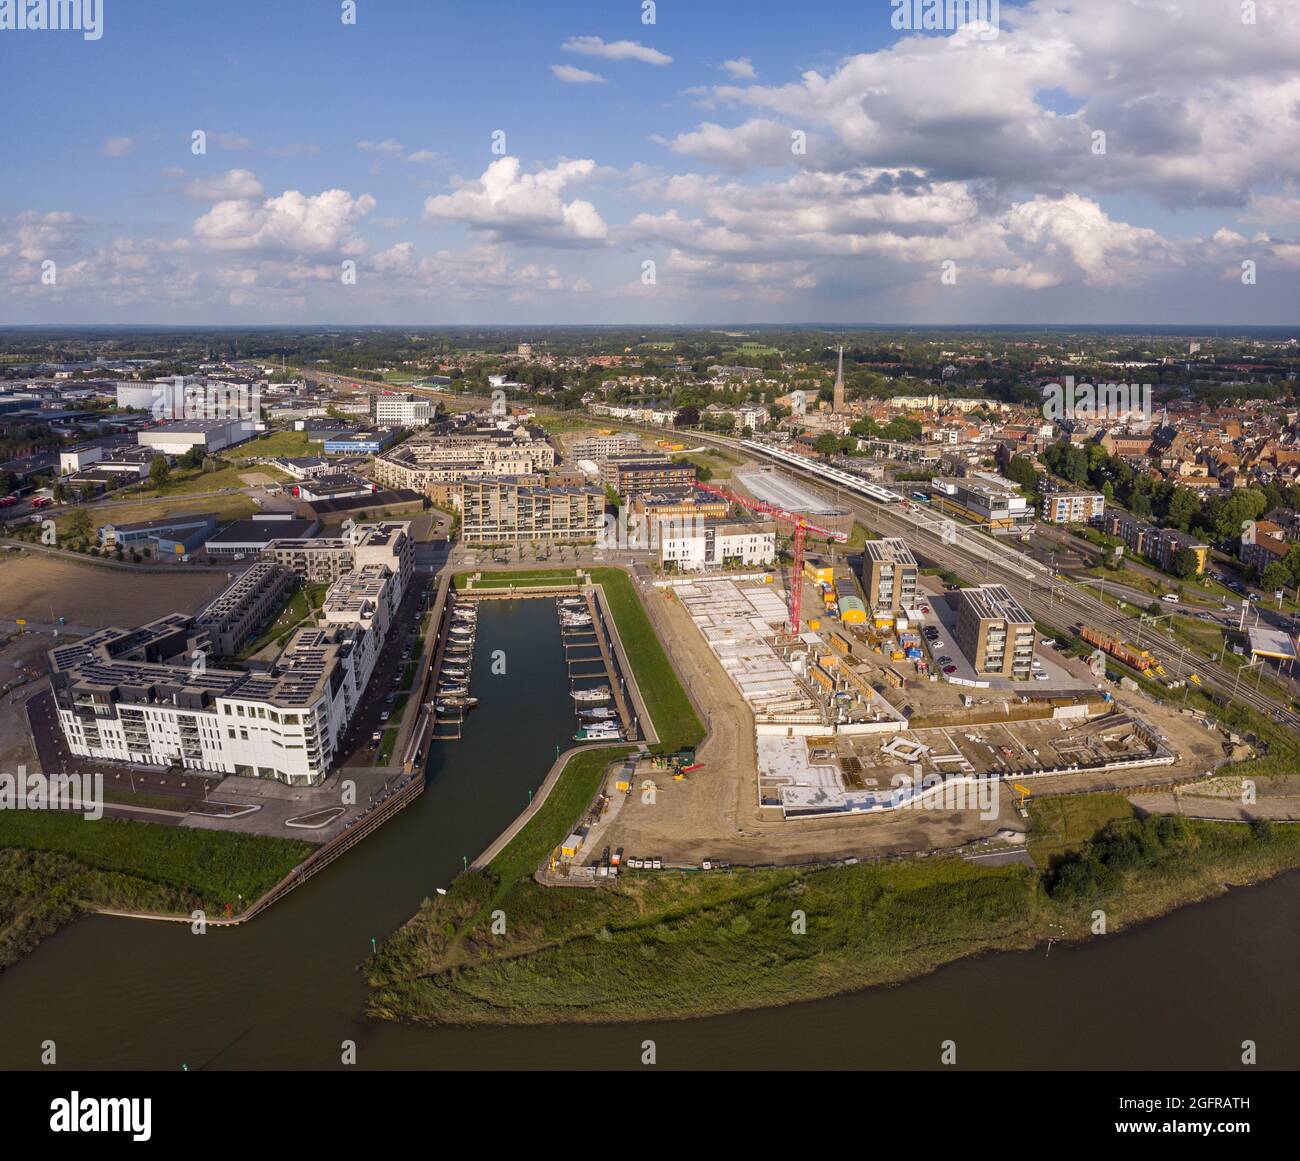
(802, 526)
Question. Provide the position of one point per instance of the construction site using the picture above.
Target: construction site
(849, 737)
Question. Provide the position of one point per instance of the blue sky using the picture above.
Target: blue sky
(627, 143)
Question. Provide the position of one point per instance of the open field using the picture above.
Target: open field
(278, 443)
(41, 588)
(226, 507)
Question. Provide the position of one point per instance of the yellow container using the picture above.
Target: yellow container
(814, 625)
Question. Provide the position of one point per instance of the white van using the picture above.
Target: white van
(1172, 598)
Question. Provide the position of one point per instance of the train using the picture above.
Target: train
(1130, 655)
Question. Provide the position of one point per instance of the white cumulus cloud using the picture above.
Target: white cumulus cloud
(509, 203)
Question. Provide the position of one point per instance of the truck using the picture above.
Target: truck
(42, 502)
(8, 501)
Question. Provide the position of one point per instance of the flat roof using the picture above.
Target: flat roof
(995, 601)
(262, 531)
(891, 550)
(1272, 643)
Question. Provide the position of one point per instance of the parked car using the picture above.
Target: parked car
(1041, 676)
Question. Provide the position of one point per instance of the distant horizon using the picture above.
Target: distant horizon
(1111, 328)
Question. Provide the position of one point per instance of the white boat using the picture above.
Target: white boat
(600, 693)
(575, 619)
(453, 673)
(453, 690)
(442, 706)
(570, 602)
(599, 733)
(601, 713)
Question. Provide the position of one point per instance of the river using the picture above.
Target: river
(285, 990)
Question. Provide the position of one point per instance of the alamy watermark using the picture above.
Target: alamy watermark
(946, 16)
(84, 16)
(75, 793)
(916, 791)
(1089, 401)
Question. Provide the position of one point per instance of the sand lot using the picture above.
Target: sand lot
(39, 588)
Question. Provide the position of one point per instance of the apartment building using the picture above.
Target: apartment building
(698, 545)
(889, 577)
(599, 448)
(1160, 545)
(1263, 542)
(432, 462)
(636, 477)
(241, 610)
(325, 559)
(1073, 507)
(138, 695)
(404, 411)
(676, 506)
(994, 632)
(502, 510)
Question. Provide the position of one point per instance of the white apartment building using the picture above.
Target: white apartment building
(396, 411)
(697, 545)
(148, 695)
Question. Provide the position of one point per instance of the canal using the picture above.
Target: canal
(284, 991)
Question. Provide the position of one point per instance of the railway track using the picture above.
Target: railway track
(1047, 598)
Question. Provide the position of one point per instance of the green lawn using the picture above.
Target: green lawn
(211, 865)
(278, 443)
(575, 788)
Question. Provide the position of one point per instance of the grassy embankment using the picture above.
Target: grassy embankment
(676, 945)
(56, 866)
(667, 945)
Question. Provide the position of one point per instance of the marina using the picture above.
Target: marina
(454, 665)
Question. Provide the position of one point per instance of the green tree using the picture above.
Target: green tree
(1276, 576)
(77, 526)
(159, 472)
(1185, 563)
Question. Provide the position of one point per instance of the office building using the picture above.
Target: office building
(983, 499)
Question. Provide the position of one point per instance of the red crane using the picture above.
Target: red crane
(802, 526)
